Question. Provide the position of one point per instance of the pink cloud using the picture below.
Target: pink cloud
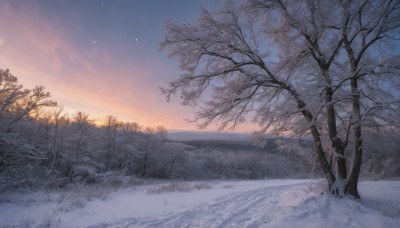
(91, 80)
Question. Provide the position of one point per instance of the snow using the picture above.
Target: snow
(264, 203)
(207, 135)
(339, 186)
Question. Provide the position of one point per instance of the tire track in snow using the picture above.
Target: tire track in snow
(253, 208)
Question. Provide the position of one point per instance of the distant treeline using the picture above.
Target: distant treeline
(43, 146)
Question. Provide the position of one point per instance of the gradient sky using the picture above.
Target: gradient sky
(100, 57)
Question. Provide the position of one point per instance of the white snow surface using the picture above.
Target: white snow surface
(207, 135)
(264, 203)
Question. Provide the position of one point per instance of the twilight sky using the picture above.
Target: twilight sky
(98, 56)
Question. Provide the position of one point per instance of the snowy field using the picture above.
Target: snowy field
(265, 203)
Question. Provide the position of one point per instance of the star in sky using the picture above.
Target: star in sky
(63, 54)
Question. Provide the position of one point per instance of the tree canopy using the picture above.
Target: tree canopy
(328, 69)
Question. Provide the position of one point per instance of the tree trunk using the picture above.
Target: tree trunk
(323, 162)
(171, 166)
(55, 159)
(337, 144)
(145, 158)
(144, 165)
(351, 186)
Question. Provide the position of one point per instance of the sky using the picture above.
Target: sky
(99, 56)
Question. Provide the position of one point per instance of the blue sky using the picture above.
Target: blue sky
(100, 57)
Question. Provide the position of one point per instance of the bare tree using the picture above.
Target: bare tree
(42, 138)
(172, 161)
(35, 117)
(373, 73)
(80, 127)
(282, 65)
(129, 134)
(111, 128)
(61, 125)
(24, 106)
(10, 93)
(153, 139)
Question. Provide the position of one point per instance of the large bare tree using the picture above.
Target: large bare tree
(294, 67)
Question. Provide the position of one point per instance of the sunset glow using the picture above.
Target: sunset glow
(99, 57)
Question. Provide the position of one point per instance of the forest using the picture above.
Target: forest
(44, 147)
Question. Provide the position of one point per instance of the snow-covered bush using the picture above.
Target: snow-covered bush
(178, 187)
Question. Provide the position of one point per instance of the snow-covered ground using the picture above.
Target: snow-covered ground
(266, 203)
(207, 135)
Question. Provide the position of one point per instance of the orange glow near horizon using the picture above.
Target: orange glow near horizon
(85, 74)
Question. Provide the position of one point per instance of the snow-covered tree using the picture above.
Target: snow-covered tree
(172, 161)
(10, 91)
(110, 133)
(24, 106)
(61, 123)
(17, 103)
(80, 132)
(129, 146)
(372, 70)
(149, 144)
(295, 68)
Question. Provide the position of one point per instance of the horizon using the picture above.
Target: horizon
(100, 57)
